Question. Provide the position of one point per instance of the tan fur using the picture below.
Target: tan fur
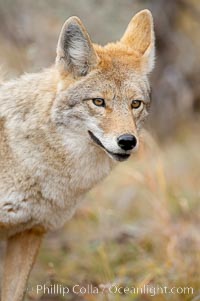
(21, 252)
(48, 160)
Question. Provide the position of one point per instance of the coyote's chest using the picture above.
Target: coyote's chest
(49, 196)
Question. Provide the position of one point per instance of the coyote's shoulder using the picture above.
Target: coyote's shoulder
(40, 178)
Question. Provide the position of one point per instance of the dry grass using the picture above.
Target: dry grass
(139, 227)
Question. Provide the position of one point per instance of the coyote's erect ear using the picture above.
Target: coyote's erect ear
(75, 52)
(139, 36)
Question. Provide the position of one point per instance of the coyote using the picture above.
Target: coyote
(63, 130)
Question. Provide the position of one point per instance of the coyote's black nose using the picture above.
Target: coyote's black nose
(127, 141)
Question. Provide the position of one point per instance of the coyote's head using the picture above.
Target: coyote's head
(103, 92)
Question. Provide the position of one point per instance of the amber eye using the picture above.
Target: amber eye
(136, 104)
(99, 102)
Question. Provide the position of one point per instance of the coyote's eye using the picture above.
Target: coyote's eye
(136, 104)
(99, 102)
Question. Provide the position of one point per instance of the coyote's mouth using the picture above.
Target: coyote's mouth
(116, 156)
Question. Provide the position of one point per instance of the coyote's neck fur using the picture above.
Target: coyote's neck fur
(41, 178)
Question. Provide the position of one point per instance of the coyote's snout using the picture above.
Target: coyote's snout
(61, 132)
(125, 144)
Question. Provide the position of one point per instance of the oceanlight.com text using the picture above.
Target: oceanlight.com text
(114, 289)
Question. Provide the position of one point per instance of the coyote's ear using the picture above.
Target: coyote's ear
(75, 52)
(139, 36)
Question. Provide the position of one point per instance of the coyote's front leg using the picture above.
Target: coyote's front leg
(20, 255)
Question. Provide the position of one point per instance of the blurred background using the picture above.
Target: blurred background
(141, 225)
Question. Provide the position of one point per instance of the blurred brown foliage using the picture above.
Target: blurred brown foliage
(29, 31)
